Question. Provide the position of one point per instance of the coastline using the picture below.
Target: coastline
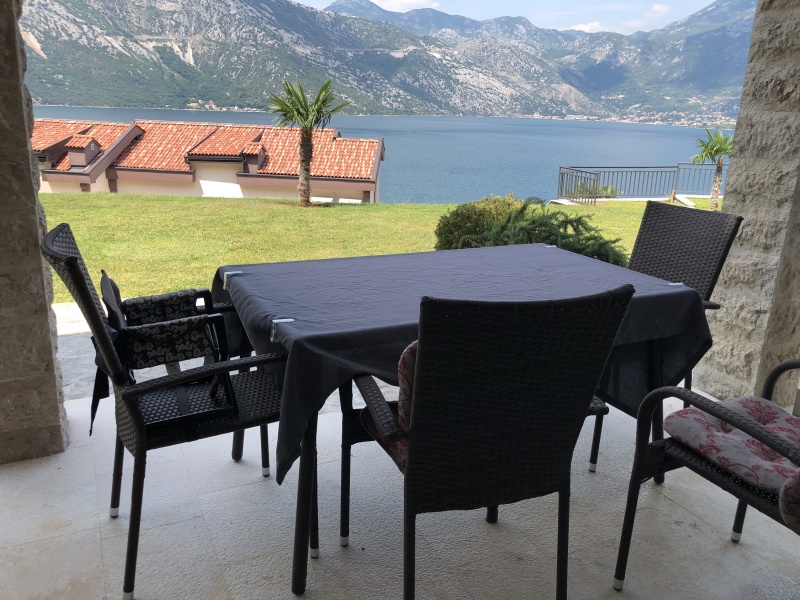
(724, 124)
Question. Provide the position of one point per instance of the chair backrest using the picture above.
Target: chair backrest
(501, 391)
(61, 251)
(684, 245)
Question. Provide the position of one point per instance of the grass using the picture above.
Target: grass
(154, 244)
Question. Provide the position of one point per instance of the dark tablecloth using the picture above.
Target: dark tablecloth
(356, 315)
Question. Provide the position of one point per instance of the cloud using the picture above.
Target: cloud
(405, 5)
(592, 27)
(656, 12)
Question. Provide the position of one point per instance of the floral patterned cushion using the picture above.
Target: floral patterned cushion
(405, 373)
(738, 453)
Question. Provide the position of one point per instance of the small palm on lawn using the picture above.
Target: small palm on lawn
(295, 108)
(715, 148)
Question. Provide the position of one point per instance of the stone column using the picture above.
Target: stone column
(759, 289)
(32, 419)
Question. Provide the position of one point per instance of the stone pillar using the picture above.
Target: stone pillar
(32, 419)
(759, 289)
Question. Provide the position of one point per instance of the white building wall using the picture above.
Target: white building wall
(218, 180)
(142, 186)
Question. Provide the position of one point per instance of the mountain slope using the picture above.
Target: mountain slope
(235, 53)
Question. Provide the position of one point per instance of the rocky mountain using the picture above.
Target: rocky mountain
(235, 53)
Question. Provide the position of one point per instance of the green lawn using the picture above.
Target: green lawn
(154, 244)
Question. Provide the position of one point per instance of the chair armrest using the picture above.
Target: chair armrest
(145, 310)
(222, 307)
(387, 426)
(772, 377)
(137, 390)
(709, 305)
(716, 409)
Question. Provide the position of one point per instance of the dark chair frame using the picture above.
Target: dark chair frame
(132, 313)
(510, 420)
(683, 245)
(660, 456)
(140, 407)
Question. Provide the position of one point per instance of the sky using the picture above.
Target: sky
(585, 15)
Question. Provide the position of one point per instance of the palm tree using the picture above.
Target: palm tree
(295, 108)
(714, 149)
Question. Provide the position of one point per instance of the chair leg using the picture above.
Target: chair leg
(344, 502)
(658, 434)
(116, 479)
(238, 445)
(346, 401)
(598, 431)
(264, 450)
(139, 464)
(738, 521)
(562, 560)
(687, 384)
(627, 528)
(491, 514)
(409, 532)
(313, 535)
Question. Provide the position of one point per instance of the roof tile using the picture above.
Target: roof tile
(163, 146)
(47, 132)
(333, 156)
(104, 133)
(227, 140)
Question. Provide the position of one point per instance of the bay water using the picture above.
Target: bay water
(458, 159)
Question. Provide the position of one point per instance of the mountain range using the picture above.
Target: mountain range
(233, 54)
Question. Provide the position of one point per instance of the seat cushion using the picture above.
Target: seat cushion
(740, 454)
(405, 374)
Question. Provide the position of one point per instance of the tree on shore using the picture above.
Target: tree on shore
(295, 108)
(714, 148)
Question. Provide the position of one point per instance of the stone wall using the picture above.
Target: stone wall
(759, 288)
(32, 420)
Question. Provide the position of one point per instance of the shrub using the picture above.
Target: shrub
(594, 190)
(528, 223)
(472, 218)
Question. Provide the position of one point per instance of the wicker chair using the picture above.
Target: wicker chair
(704, 440)
(500, 394)
(177, 408)
(683, 245)
(133, 314)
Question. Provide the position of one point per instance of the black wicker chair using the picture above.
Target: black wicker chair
(683, 245)
(179, 407)
(659, 456)
(142, 313)
(500, 394)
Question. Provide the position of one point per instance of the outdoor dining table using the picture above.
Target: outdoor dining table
(342, 317)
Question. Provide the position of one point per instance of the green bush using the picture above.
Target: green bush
(528, 223)
(583, 190)
(472, 218)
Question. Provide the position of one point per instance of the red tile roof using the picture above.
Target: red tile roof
(227, 140)
(252, 148)
(79, 141)
(164, 145)
(104, 133)
(333, 156)
(47, 132)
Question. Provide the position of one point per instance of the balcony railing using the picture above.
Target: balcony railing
(586, 185)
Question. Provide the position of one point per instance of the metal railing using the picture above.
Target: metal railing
(586, 185)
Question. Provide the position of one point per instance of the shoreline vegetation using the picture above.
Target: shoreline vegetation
(726, 125)
(178, 242)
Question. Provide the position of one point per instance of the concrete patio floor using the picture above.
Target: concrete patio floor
(215, 529)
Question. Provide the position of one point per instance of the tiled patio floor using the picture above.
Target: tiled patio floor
(215, 529)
